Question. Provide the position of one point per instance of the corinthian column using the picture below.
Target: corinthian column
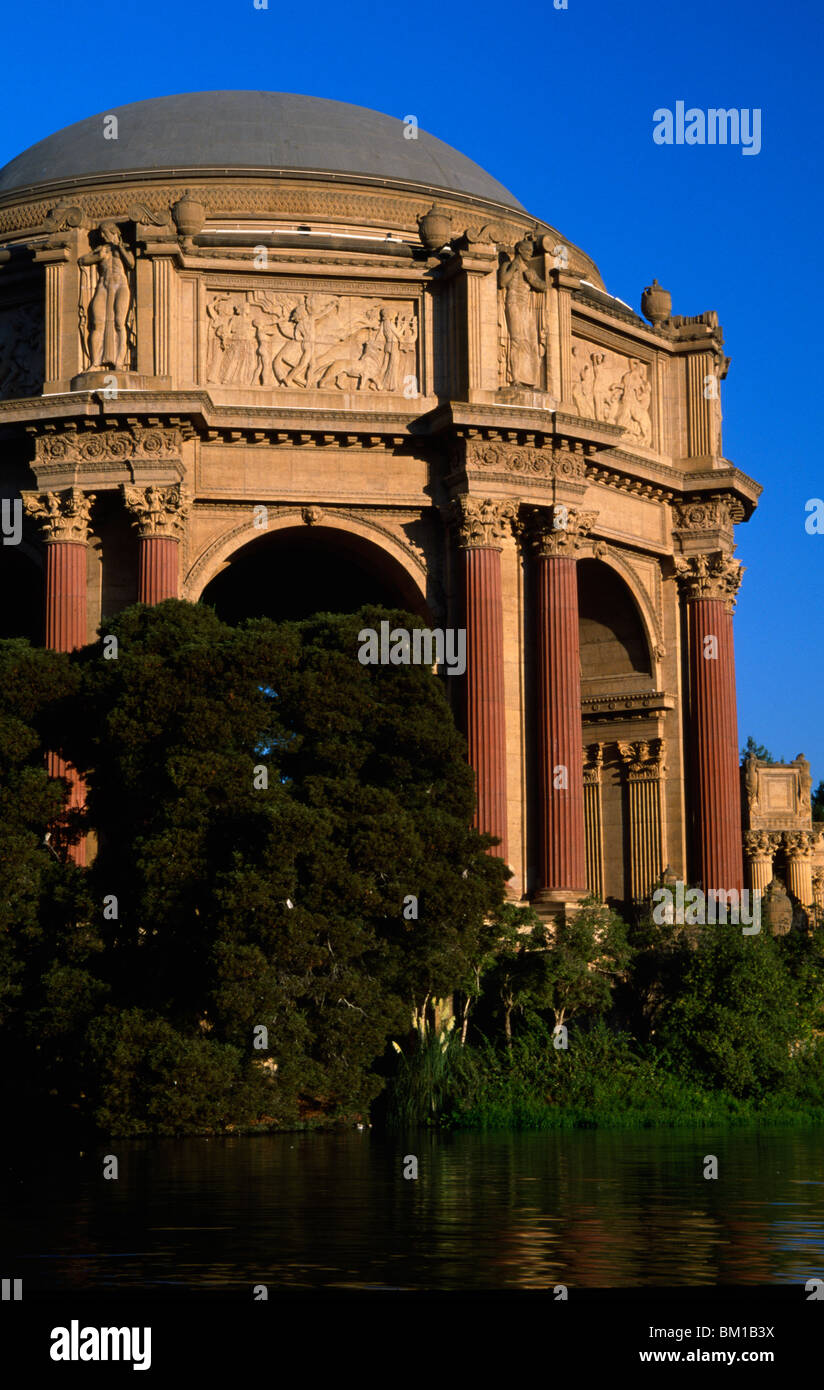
(159, 515)
(64, 518)
(759, 852)
(799, 846)
(710, 582)
(562, 868)
(482, 525)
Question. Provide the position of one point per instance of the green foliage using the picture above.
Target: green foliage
(763, 754)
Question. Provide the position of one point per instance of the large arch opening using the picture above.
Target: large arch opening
(298, 571)
(615, 653)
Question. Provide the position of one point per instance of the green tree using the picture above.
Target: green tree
(763, 754)
(579, 962)
(265, 804)
(738, 1013)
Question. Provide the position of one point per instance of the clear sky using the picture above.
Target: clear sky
(558, 105)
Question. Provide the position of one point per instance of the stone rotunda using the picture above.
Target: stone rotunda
(280, 354)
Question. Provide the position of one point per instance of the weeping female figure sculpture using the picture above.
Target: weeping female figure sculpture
(109, 306)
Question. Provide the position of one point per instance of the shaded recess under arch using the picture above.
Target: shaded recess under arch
(23, 587)
(615, 652)
(297, 571)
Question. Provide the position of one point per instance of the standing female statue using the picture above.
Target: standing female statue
(109, 307)
(518, 280)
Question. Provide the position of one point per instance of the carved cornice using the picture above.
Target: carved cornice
(557, 530)
(63, 516)
(710, 575)
(643, 761)
(483, 523)
(157, 511)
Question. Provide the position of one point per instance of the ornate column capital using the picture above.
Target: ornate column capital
(557, 530)
(483, 523)
(799, 844)
(157, 511)
(62, 516)
(760, 844)
(710, 575)
(643, 760)
(593, 763)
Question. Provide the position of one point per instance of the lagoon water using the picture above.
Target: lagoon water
(487, 1211)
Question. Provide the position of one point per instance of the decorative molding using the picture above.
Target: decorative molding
(148, 444)
(559, 464)
(63, 516)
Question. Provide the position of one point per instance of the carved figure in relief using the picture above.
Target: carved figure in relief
(312, 341)
(525, 327)
(21, 353)
(109, 306)
(633, 400)
(805, 782)
(583, 384)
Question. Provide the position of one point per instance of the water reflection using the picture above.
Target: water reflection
(487, 1211)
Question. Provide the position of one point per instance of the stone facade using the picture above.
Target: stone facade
(446, 383)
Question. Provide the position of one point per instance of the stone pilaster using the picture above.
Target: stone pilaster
(759, 853)
(710, 581)
(64, 518)
(160, 516)
(481, 526)
(555, 534)
(593, 818)
(643, 764)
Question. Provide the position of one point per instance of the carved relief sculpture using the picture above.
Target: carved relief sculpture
(106, 339)
(310, 341)
(21, 352)
(522, 291)
(612, 389)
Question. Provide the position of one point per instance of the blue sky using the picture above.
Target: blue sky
(558, 105)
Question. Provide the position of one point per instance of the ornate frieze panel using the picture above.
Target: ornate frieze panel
(152, 452)
(613, 389)
(558, 464)
(22, 351)
(62, 516)
(310, 340)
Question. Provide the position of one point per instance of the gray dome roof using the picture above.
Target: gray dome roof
(251, 130)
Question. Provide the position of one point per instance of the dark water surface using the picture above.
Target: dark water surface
(487, 1211)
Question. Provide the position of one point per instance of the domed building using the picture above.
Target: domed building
(281, 354)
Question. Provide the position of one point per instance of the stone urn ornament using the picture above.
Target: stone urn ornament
(189, 215)
(656, 303)
(435, 228)
(776, 908)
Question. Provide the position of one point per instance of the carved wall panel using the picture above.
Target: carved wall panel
(311, 341)
(22, 351)
(612, 389)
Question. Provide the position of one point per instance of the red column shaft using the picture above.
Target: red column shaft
(157, 569)
(65, 630)
(562, 849)
(486, 721)
(714, 724)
